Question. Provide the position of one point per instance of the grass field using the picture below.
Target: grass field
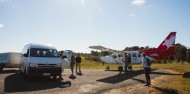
(175, 84)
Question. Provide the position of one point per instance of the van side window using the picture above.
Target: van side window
(67, 54)
(134, 54)
(24, 51)
(129, 54)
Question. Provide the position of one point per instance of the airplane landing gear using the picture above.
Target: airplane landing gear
(107, 68)
(120, 69)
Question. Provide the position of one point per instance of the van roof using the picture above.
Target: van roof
(46, 46)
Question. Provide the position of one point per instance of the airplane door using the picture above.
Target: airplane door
(119, 58)
(134, 58)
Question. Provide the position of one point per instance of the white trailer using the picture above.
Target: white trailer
(10, 60)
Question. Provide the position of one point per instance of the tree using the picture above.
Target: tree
(188, 55)
(104, 53)
(95, 53)
(181, 52)
(135, 48)
(147, 47)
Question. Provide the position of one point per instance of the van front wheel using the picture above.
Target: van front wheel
(54, 77)
(1, 67)
(25, 75)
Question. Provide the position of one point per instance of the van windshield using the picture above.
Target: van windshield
(38, 52)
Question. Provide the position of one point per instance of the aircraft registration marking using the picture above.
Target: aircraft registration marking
(154, 54)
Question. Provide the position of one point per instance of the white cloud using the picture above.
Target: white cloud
(2, 1)
(138, 2)
(82, 2)
(132, 15)
(1, 25)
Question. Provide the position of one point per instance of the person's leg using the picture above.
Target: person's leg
(72, 65)
(146, 75)
(76, 67)
(79, 68)
(125, 70)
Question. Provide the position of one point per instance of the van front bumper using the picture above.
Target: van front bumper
(55, 71)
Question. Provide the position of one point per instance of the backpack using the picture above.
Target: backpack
(148, 61)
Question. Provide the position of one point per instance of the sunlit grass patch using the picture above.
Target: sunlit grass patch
(172, 84)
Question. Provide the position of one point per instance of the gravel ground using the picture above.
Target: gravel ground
(93, 81)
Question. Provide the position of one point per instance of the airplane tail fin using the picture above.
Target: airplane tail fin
(168, 42)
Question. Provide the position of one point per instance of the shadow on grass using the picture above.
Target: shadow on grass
(17, 83)
(166, 90)
(121, 77)
(186, 75)
(131, 75)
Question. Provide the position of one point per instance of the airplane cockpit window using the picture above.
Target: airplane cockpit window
(114, 56)
(119, 55)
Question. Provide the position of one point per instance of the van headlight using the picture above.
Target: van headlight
(58, 65)
(33, 65)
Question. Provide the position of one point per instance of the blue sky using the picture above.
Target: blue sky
(78, 24)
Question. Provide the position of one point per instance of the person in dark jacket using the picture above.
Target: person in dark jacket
(72, 63)
(126, 62)
(78, 62)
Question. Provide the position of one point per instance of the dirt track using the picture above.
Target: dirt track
(92, 81)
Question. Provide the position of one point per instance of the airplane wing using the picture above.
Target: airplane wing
(99, 47)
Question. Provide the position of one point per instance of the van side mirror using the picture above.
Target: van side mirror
(64, 57)
(25, 55)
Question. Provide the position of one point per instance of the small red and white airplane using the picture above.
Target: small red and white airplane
(165, 50)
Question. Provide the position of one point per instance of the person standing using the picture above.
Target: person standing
(78, 61)
(146, 69)
(126, 61)
(72, 63)
(61, 53)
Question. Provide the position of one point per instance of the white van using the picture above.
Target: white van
(38, 59)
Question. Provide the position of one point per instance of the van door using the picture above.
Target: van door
(134, 58)
(24, 59)
(68, 54)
